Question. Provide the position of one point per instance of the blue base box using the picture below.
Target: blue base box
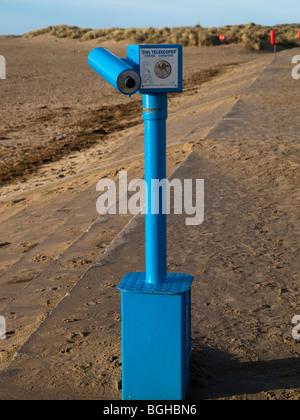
(156, 337)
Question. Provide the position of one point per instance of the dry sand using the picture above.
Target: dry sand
(236, 125)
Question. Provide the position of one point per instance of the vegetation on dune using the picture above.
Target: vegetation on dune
(253, 36)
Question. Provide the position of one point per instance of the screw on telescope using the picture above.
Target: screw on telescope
(129, 82)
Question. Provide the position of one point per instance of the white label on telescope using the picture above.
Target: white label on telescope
(159, 68)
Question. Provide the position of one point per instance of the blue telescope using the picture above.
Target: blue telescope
(116, 71)
(156, 305)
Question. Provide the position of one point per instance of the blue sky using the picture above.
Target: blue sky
(20, 16)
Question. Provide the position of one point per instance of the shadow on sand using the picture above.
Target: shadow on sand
(215, 374)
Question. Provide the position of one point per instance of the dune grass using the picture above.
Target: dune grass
(253, 36)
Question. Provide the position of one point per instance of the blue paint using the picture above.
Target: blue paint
(175, 284)
(155, 115)
(156, 346)
(156, 305)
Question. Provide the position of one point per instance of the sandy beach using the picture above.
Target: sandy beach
(62, 129)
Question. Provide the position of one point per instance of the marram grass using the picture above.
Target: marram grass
(253, 36)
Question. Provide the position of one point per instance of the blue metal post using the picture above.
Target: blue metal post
(155, 115)
(156, 305)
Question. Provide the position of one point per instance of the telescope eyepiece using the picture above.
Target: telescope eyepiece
(128, 82)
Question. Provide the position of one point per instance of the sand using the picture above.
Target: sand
(236, 125)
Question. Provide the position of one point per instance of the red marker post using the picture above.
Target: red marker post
(273, 41)
(299, 36)
(222, 37)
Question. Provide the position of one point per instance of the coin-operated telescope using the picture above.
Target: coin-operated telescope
(147, 68)
(156, 305)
